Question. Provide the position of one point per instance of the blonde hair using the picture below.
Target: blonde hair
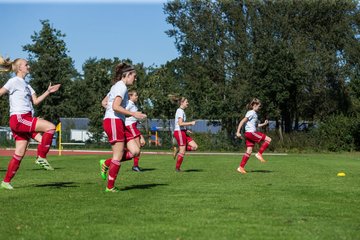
(253, 102)
(6, 65)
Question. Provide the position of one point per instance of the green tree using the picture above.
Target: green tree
(50, 64)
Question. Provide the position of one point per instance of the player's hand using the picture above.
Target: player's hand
(189, 131)
(266, 122)
(238, 135)
(139, 115)
(53, 88)
(142, 141)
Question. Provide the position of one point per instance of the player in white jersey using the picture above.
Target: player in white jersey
(131, 131)
(252, 135)
(114, 126)
(22, 122)
(185, 142)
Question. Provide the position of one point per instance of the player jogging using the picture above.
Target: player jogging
(185, 142)
(114, 123)
(22, 123)
(251, 134)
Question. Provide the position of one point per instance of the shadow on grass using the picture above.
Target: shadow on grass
(260, 171)
(193, 170)
(57, 185)
(142, 186)
(147, 169)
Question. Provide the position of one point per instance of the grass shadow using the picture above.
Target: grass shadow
(142, 186)
(260, 171)
(147, 169)
(193, 170)
(57, 185)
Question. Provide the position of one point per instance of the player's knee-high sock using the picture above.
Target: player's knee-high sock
(127, 156)
(113, 172)
(13, 166)
(108, 162)
(180, 158)
(263, 147)
(244, 160)
(136, 161)
(44, 146)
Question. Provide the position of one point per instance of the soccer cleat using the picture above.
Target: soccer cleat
(136, 169)
(114, 189)
(44, 163)
(6, 185)
(241, 170)
(259, 156)
(103, 169)
(175, 152)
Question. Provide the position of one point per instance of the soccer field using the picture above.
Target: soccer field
(290, 197)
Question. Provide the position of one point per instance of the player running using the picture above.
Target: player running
(22, 123)
(252, 135)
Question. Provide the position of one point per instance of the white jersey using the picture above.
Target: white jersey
(119, 89)
(132, 108)
(20, 96)
(180, 113)
(252, 122)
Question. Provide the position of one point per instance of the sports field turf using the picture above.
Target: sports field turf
(290, 197)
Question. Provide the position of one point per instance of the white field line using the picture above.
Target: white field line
(161, 152)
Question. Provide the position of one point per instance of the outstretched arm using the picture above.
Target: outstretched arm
(51, 89)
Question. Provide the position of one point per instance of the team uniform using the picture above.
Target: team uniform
(22, 122)
(131, 131)
(180, 131)
(251, 134)
(114, 122)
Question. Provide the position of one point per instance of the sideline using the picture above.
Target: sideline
(32, 152)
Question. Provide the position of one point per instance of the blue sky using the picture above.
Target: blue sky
(124, 29)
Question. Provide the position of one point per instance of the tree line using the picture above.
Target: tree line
(301, 58)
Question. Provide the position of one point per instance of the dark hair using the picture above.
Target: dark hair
(120, 71)
(253, 102)
(176, 99)
(131, 93)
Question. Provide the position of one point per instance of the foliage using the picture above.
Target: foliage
(50, 64)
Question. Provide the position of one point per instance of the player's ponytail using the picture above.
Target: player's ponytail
(5, 65)
(253, 102)
(176, 99)
(121, 70)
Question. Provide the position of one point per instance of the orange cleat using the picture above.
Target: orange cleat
(261, 159)
(241, 170)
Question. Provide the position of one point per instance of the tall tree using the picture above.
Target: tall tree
(50, 64)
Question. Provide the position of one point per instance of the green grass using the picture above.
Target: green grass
(290, 197)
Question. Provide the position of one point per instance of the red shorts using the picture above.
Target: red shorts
(23, 126)
(131, 132)
(114, 129)
(254, 137)
(182, 138)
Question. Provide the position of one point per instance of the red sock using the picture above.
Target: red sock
(113, 172)
(127, 156)
(179, 161)
(136, 161)
(244, 160)
(107, 162)
(263, 147)
(13, 166)
(44, 146)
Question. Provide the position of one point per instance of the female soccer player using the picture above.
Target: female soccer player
(185, 142)
(251, 134)
(131, 131)
(22, 123)
(113, 123)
